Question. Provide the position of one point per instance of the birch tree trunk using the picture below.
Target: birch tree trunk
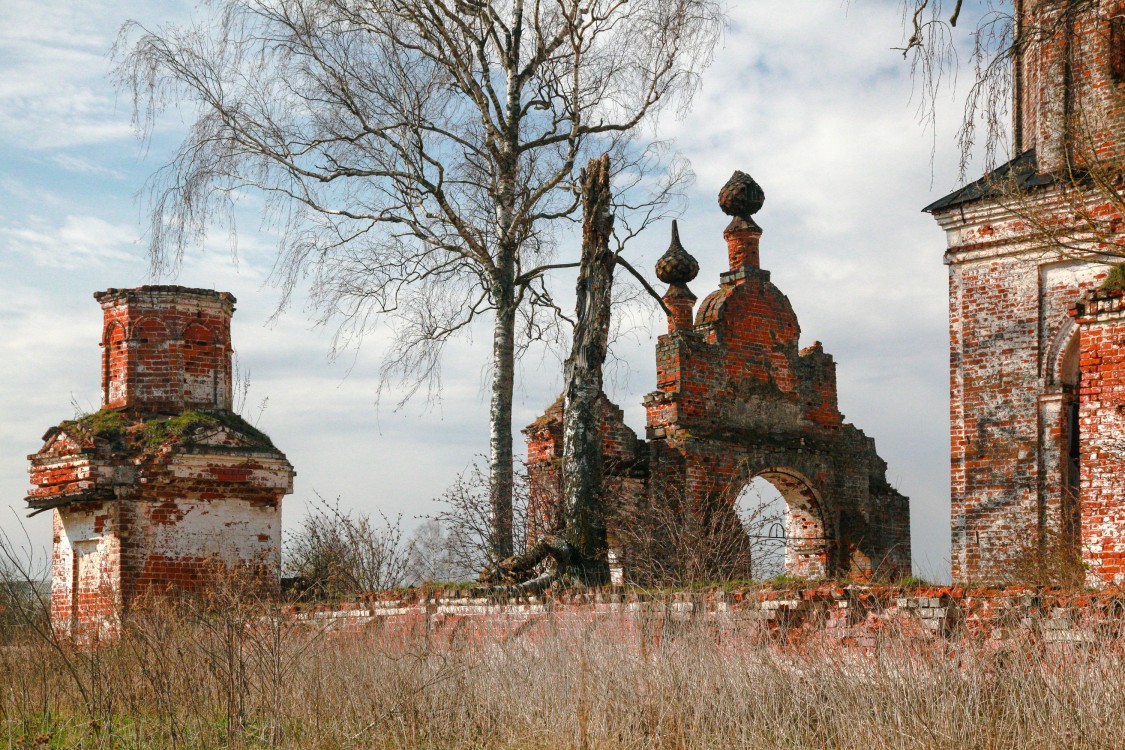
(583, 505)
(500, 429)
(504, 296)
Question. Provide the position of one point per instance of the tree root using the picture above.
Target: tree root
(518, 573)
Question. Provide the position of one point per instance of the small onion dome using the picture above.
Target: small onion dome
(676, 266)
(741, 196)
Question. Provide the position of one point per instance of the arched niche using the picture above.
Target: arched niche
(781, 513)
(200, 361)
(149, 331)
(113, 363)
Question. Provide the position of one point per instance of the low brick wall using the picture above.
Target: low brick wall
(842, 615)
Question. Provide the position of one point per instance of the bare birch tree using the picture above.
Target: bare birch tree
(415, 155)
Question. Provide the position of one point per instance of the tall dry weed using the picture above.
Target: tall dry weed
(188, 675)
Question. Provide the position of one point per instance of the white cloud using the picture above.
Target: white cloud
(84, 165)
(54, 66)
(78, 242)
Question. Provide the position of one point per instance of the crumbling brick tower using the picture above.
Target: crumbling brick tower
(738, 399)
(1036, 449)
(165, 488)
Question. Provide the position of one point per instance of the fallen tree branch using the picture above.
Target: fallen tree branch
(515, 575)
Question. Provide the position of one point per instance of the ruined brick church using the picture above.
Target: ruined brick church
(165, 488)
(735, 399)
(1037, 339)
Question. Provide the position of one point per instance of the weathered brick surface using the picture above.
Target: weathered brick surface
(1101, 420)
(1018, 262)
(1069, 105)
(166, 348)
(1014, 375)
(165, 489)
(851, 616)
(737, 399)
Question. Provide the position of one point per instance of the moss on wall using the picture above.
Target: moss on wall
(117, 428)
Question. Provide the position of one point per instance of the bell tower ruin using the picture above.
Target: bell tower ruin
(165, 489)
(1034, 401)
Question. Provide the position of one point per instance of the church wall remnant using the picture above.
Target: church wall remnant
(1029, 244)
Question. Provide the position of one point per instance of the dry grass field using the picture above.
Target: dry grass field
(233, 677)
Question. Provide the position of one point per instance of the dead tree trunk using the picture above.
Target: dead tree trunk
(582, 504)
(578, 548)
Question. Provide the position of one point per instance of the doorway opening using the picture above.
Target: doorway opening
(1071, 448)
(780, 513)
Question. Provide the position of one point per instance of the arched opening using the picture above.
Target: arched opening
(761, 509)
(781, 515)
(1070, 377)
(113, 365)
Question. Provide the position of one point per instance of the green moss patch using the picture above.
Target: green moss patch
(191, 425)
(118, 428)
(107, 424)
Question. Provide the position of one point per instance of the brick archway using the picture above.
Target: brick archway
(736, 397)
(806, 538)
(781, 513)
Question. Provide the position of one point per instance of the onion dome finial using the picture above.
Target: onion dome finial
(676, 266)
(741, 197)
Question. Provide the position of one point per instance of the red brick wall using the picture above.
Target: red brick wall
(1017, 265)
(1101, 415)
(166, 348)
(852, 616)
(85, 567)
(1011, 383)
(994, 317)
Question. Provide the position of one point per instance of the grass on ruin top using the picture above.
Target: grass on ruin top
(107, 424)
(117, 427)
(1115, 279)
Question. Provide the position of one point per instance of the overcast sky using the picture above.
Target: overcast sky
(806, 95)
